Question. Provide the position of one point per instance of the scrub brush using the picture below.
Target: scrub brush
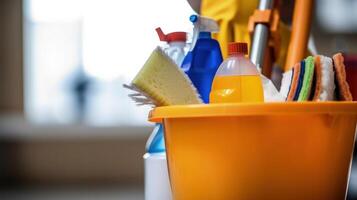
(161, 82)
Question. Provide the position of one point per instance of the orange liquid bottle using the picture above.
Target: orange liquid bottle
(237, 79)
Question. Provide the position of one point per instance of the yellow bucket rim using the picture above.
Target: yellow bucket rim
(249, 109)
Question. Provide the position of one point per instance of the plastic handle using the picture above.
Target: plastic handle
(161, 34)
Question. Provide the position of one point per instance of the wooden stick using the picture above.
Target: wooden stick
(299, 33)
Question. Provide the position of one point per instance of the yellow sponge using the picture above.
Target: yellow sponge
(163, 82)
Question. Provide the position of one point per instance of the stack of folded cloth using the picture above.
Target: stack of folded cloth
(317, 78)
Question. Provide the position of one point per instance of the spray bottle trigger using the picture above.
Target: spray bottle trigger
(161, 34)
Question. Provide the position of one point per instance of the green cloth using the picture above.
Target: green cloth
(308, 77)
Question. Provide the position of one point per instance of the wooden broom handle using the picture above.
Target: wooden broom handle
(299, 32)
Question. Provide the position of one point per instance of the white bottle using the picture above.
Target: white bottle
(175, 47)
(157, 184)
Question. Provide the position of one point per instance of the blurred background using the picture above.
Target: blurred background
(67, 128)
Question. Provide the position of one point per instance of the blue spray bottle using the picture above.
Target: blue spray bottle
(204, 57)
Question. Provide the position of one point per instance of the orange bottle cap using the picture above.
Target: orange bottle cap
(236, 48)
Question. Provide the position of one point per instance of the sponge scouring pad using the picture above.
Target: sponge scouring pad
(324, 79)
(343, 90)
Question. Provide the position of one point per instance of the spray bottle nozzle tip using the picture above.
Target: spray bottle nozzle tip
(193, 18)
(161, 34)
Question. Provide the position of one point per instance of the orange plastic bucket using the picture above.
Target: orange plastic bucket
(259, 151)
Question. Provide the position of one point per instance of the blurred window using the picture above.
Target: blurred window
(78, 53)
(337, 16)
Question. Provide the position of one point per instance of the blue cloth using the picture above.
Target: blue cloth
(301, 80)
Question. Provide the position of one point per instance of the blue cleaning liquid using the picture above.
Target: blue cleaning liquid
(202, 62)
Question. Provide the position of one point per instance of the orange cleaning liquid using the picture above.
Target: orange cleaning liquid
(238, 88)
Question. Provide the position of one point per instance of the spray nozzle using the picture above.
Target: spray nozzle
(161, 34)
(171, 37)
(202, 24)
